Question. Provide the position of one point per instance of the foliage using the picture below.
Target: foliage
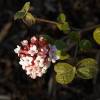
(96, 35)
(85, 45)
(87, 68)
(65, 72)
(63, 25)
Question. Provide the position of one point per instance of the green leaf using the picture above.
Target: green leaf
(22, 13)
(87, 68)
(62, 24)
(63, 68)
(60, 45)
(19, 15)
(49, 39)
(63, 55)
(26, 7)
(74, 36)
(85, 45)
(29, 19)
(63, 27)
(61, 17)
(65, 73)
(96, 35)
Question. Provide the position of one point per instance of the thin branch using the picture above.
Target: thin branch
(89, 28)
(5, 30)
(46, 21)
(5, 97)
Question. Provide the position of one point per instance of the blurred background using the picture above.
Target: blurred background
(14, 83)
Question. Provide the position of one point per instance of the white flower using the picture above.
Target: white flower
(33, 50)
(39, 74)
(33, 75)
(26, 61)
(24, 42)
(17, 50)
(36, 56)
(44, 69)
(33, 39)
(41, 38)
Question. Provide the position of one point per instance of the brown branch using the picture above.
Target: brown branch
(89, 28)
(5, 30)
(46, 21)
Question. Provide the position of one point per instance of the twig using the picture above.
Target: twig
(46, 21)
(5, 97)
(5, 30)
(89, 28)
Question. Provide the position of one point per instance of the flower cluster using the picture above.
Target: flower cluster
(36, 55)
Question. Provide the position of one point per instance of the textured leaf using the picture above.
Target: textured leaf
(86, 72)
(29, 19)
(87, 61)
(65, 73)
(85, 44)
(96, 35)
(19, 15)
(61, 18)
(26, 7)
(74, 36)
(60, 44)
(63, 68)
(87, 68)
(63, 26)
(63, 55)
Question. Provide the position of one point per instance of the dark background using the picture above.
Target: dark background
(14, 83)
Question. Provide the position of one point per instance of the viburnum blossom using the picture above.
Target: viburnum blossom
(36, 55)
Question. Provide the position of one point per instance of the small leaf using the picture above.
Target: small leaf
(85, 45)
(26, 7)
(60, 44)
(63, 68)
(86, 72)
(19, 15)
(65, 73)
(87, 68)
(74, 36)
(49, 39)
(29, 19)
(61, 18)
(63, 55)
(63, 26)
(96, 35)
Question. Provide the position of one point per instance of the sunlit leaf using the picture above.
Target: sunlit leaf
(29, 19)
(63, 27)
(96, 35)
(65, 73)
(62, 55)
(62, 24)
(26, 7)
(61, 17)
(22, 13)
(87, 68)
(63, 68)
